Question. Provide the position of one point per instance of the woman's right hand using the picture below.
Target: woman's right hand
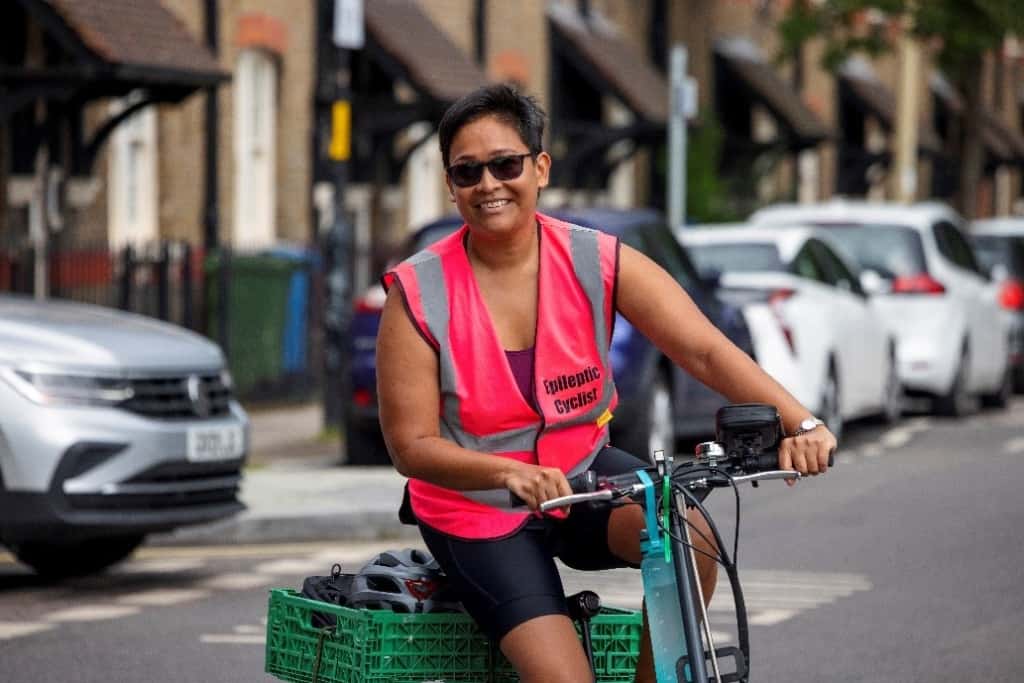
(536, 484)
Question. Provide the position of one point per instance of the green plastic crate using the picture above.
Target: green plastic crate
(379, 646)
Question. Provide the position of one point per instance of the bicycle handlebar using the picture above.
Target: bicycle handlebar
(587, 487)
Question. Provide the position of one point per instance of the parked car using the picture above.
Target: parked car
(839, 358)
(112, 426)
(999, 246)
(658, 402)
(930, 289)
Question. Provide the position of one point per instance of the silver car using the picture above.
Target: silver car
(112, 426)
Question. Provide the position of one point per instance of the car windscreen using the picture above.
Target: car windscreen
(1003, 250)
(736, 258)
(889, 250)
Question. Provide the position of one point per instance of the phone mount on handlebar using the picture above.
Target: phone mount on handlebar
(746, 431)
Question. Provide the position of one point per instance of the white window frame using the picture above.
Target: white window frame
(132, 177)
(255, 133)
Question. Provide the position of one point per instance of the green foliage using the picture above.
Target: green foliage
(707, 197)
(962, 30)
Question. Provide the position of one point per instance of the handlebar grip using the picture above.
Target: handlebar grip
(769, 460)
(584, 482)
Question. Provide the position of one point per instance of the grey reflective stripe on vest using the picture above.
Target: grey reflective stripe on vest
(500, 498)
(586, 261)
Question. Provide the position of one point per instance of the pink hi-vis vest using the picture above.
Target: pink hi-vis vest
(481, 406)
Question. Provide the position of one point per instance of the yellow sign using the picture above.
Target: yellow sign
(341, 131)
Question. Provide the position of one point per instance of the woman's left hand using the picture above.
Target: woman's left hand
(807, 453)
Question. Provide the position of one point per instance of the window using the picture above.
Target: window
(657, 242)
(132, 177)
(805, 265)
(836, 272)
(740, 257)
(954, 246)
(255, 118)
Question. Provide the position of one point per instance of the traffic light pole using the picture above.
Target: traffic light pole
(333, 151)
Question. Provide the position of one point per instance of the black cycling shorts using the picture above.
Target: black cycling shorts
(507, 581)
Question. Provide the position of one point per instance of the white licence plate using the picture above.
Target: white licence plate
(215, 443)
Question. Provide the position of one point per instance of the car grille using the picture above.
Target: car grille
(170, 397)
(166, 486)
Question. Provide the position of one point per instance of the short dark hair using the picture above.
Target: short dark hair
(502, 101)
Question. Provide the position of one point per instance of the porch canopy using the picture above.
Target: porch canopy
(602, 61)
(1003, 144)
(106, 48)
(741, 64)
(409, 71)
(859, 83)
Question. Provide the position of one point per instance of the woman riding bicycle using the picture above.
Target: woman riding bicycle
(494, 377)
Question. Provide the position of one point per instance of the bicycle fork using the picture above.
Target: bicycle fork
(674, 638)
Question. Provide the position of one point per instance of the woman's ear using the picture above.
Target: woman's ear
(543, 163)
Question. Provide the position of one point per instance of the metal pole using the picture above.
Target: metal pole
(907, 117)
(211, 208)
(676, 190)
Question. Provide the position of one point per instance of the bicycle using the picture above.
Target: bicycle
(744, 450)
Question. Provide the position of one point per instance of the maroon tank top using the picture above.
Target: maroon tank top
(521, 363)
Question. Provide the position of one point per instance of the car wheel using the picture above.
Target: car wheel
(892, 401)
(957, 402)
(654, 426)
(76, 558)
(1000, 398)
(365, 446)
(831, 412)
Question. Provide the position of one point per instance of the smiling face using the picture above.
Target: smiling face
(496, 206)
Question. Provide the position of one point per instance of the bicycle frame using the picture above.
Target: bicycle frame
(672, 592)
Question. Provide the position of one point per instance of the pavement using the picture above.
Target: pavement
(296, 488)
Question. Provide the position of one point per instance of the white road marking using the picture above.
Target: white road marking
(770, 617)
(92, 613)
(771, 596)
(896, 437)
(871, 450)
(160, 566)
(15, 629)
(249, 629)
(232, 639)
(162, 597)
(917, 424)
(236, 581)
(1014, 446)
(304, 567)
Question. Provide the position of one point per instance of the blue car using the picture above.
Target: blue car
(659, 404)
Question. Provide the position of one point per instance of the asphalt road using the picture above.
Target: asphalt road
(903, 564)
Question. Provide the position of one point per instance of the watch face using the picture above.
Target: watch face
(809, 424)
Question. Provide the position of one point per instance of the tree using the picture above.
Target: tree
(961, 33)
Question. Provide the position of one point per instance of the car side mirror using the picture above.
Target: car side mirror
(872, 283)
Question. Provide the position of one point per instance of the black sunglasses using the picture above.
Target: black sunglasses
(469, 173)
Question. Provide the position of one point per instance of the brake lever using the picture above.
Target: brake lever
(767, 476)
(564, 501)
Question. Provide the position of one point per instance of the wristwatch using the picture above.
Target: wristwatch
(808, 424)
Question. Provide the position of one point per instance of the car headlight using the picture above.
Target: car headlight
(54, 388)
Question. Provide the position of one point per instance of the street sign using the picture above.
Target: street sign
(348, 24)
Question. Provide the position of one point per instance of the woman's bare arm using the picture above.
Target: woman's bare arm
(409, 397)
(655, 304)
